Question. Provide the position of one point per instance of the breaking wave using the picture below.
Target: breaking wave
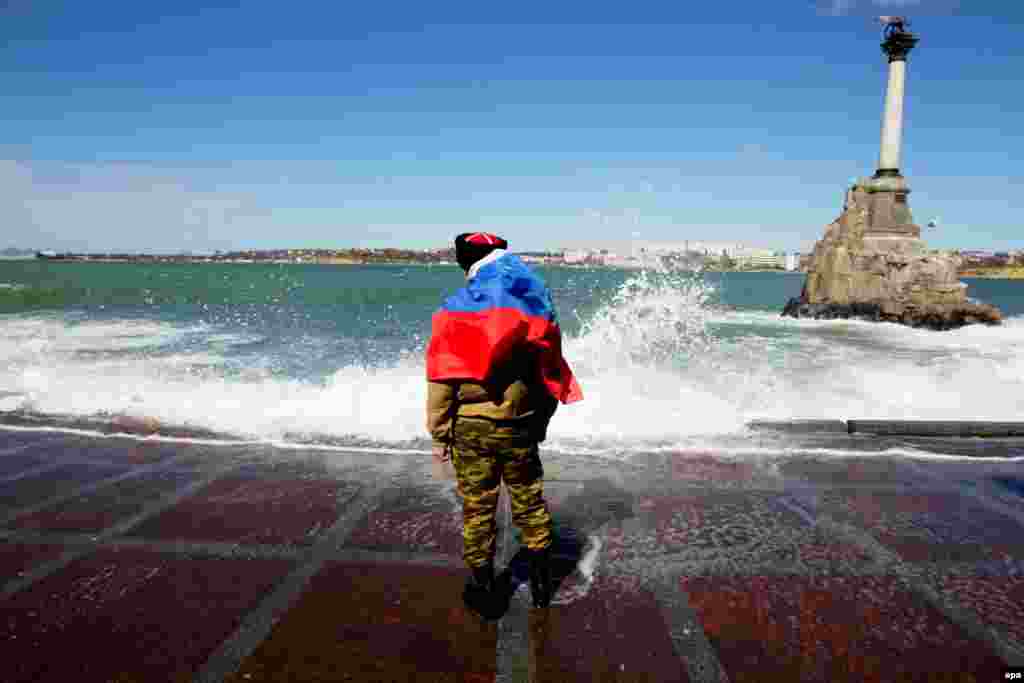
(661, 363)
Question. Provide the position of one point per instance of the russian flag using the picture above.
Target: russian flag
(502, 308)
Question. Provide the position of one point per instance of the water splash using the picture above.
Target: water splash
(656, 319)
(662, 365)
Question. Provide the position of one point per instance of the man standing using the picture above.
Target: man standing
(495, 375)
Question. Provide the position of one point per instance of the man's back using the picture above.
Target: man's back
(495, 374)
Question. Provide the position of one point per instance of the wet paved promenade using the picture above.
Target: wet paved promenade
(139, 560)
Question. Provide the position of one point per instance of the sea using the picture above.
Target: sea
(333, 356)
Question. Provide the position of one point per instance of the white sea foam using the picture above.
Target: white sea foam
(660, 367)
(585, 568)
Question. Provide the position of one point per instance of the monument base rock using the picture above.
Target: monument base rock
(871, 264)
(934, 317)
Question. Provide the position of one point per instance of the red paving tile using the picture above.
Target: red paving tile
(417, 520)
(706, 468)
(437, 532)
(250, 510)
(366, 622)
(705, 522)
(36, 488)
(18, 558)
(930, 526)
(109, 505)
(997, 601)
(129, 615)
(614, 633)
(868, 629)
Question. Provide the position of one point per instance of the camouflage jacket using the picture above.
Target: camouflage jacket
(511, 396)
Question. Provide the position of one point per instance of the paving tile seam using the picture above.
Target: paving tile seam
(14, 450)
(222, 550)
(785, 488)
(1011, 651)
(718, 555)
(689, 640)
(259, 622)
(512, 656)
(690, 644)
(169, 547)
(136, 471)
(934, 574)
(513, 643)
(733, 567)
(914, 579)
(513, 646)
(687, 633)
(340, 552)
(45, 569)
(95, 541)
(54, 464)
(910, 578)
(346, 554)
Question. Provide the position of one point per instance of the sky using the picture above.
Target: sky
(166, 127)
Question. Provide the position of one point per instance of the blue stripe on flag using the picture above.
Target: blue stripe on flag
(505, 283)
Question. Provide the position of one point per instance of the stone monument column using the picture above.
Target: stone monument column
(872, 263)
(897, 46)
(889, 224)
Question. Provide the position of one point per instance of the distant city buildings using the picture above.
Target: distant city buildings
(983, 258)
(689, 253)
(686, 254)
(760, 259)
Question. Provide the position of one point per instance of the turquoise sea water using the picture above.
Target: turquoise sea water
(303, 352)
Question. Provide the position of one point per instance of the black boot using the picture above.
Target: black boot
(479, 593)
(540, 577)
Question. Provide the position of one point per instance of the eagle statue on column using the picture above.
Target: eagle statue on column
(894, 24)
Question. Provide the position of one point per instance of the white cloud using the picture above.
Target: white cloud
(842, 8)
(116, 207)
(835, 8)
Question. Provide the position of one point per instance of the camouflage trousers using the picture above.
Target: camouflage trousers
(484, 455)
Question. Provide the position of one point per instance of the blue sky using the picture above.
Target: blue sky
(168, 126)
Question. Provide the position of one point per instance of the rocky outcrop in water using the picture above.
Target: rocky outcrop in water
(871, 264)
(935, 317)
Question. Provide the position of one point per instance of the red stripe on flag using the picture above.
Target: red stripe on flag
(468, 346)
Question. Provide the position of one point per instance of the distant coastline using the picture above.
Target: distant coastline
(541, 261)
(275, 256)
(1008, 273)
(407, 257)
(404, 257)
